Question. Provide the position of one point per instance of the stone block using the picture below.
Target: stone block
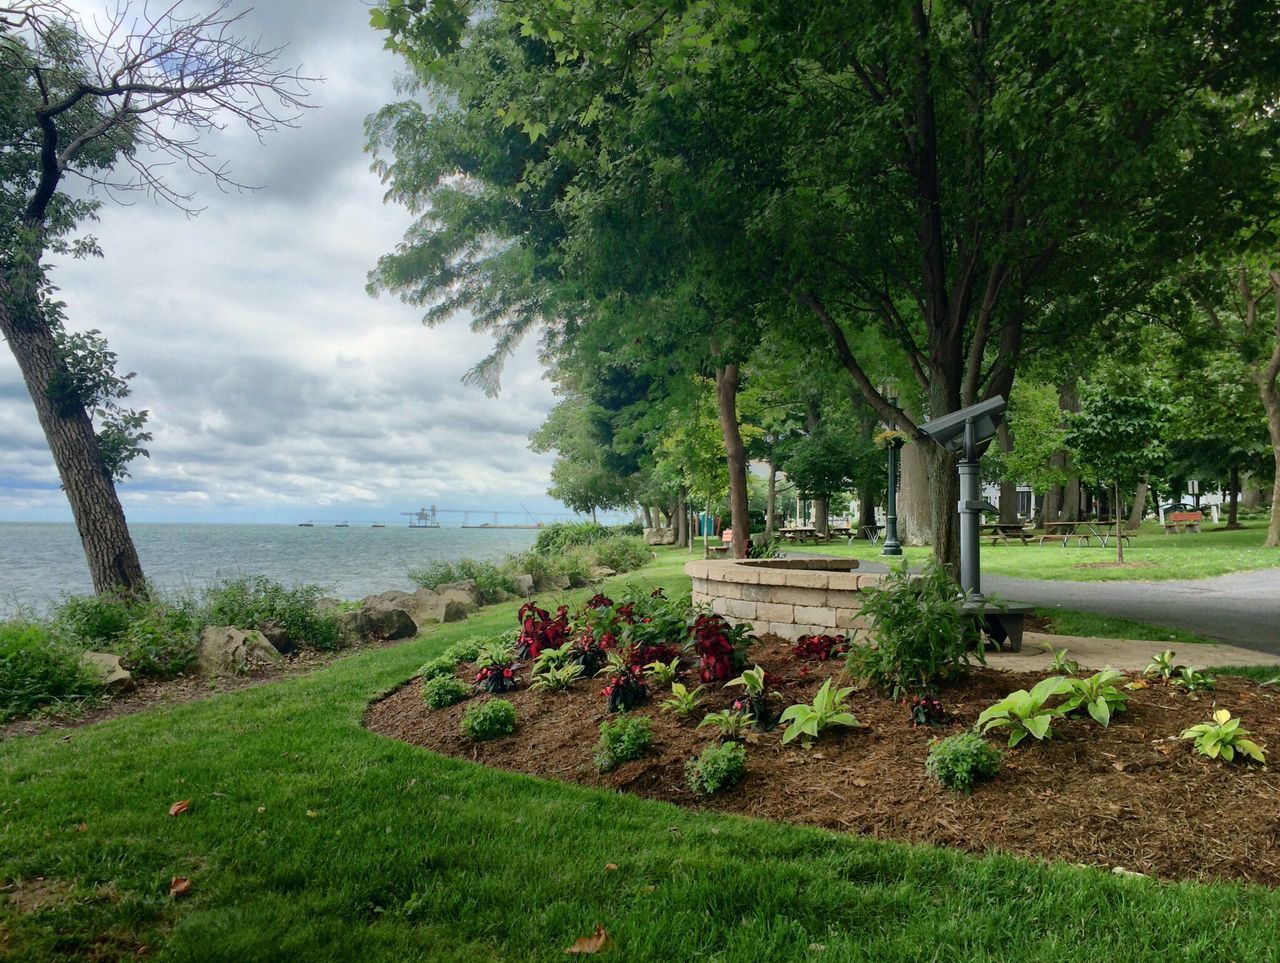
(696, 570)
(758, 593)
(816, 615)
(775, 612)
(739, 609)
(772, 576)
(801, 596)
(809, 580)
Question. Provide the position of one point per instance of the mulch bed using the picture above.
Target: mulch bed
(1132, 795)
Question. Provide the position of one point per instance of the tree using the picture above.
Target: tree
(111, 102)
(1117, 435)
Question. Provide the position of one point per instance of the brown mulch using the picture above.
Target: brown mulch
(1132, 795)
(152, 693)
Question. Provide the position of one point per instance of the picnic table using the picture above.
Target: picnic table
(871, 533)
(805, 532)
(1080, 530)
(1003, 531)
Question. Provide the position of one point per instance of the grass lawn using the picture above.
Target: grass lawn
(1089, 625)
(1156, 556)
(310, 838)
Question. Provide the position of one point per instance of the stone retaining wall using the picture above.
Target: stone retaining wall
(787, 597)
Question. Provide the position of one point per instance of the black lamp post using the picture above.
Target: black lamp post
(891, 544)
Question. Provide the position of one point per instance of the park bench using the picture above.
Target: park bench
(721, 550)
(1176, 523)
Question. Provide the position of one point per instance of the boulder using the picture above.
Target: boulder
(115, 677)
(438, 608)
(277, 635)
(386, 620)
(224, 648)
(465, 587)
(325, 604)
(524, 585)
(393, 597)
(601, 571)
(464, 599)
(660, 536)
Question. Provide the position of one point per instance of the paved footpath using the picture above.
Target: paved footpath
(1242, 608)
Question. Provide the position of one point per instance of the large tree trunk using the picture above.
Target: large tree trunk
(944, 496)
(1267, 387)
(99, 517)
(1139, 507)
(1251, 493)
(771, 500)
(646, 515)
(1008, 487)
(735, 457)
(1233, 509)
(682, 518)
(915, 517)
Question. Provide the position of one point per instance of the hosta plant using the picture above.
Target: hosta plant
(1193, 680)
(550, 659)
(682, 702)
(756, 682)
(1161, 666)
(1224, 738)
(663, 673)
(1098, 695)
(1061, 665)
(732, 723)
(557, 679)
(807, 720)
(1025, 713)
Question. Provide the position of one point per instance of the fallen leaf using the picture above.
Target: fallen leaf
(262, 809)
(180, 807)
(597, 942)
(311, 814)
(179, 886)
(610, 867)
(1138, 684)
(1119, 766)
(650, 889)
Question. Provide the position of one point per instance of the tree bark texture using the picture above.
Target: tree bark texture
(99, 517)
(915, 518)
(1233, 510)
(735, 457)
(1139, 507)
(682, 518)
(647, 516)
(1008, 489)
(771, 501)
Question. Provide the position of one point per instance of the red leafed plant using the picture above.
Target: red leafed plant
(496, 678)
(538, 630)
(625, 686)
(820, 648)
(717, 644)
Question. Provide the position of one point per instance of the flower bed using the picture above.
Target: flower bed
(1133, 794)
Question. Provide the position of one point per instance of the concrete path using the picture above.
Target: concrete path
(1242, 608)
(1037, 653)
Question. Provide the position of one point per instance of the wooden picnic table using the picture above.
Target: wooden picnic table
(1003, 531)
(1065, 531)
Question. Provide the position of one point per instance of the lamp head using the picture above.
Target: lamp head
(948, 430)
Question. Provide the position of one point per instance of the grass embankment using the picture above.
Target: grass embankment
(1150, 556)
(311, 838)
(1089, 625)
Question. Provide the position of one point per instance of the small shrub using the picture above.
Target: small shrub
(489, 720)
(247, 603)
(682, 701)
(443, 690)
(95, 621)
(493, 584)
(922, 634)
(440, 667)
(1024, 713)
(1224, 737)
(808, 720)
(575, 566)
(160, 644)
(962, 761)
(468, 650)
(718, 767)
(732, 723)
(926, 710)
(1191, 680)
(559, 536)
(622, 553)
(622, 740)
(37, 670)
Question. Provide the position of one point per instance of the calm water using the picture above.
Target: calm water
(40, 562)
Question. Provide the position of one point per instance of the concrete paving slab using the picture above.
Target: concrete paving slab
(1124, 654)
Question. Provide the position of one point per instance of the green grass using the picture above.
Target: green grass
(309, 838)
(1157, 556)
(1258, 673)
(1089, 625)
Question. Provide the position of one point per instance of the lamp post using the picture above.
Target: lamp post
(891, 544)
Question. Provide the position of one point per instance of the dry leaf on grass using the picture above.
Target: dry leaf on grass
(610, 867)
(597, 942)
(82, 827)
(179, 886)
(180, 807)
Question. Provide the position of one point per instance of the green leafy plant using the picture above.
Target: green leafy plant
(37, 670)
(248, 603)
(807, 720)
(682, 701)
(622, 740)
(1061, 665)
(1024, 713)
(444, 690)
(663, 673)
(922, 635)
(717, 767)
(1193, 680)
(756, 683)
(467, 650)
(557, 679)
(549, 660)
(622, 553)
(1161, 666)
(1224, 737)
(495, 652)
(440, 666)
(962, 761)
(492, 584)
(1097, 695)
(489, 720)
(732, 723)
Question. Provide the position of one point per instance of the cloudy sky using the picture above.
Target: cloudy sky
(278, 390)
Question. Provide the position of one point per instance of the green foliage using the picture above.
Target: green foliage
(683, 702)
(467, 650)
(549, 660)
(443, 690)
(1097, 695)
(498, 651)
(95, 620)
(36, 670)
(732, 723)
(807, 721)
(557, 679)
(1061, 665)
(1024, 713)
(493, 584)
(1193, 680)
(247, 603)
(663, 674)
(1035, 422)
(489, 720)
(962, 761)
(1162, 666)
(440, 667)
(622, 740)
(1223, 737)
(152, 637)
(922, 635)
(717, 767)
(622, 553)
(753, 680)
(558, 536)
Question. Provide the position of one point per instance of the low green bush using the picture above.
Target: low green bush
(95, 621)
(622, 740)
(153, 637)
(559, 536)
(493, 584)
(444, 690)
(467, 650)
(161, 645)
(575, 565)
(438, 667)
(962, 761)
(718, 767)
(248, 603)
(489, 720)
(37, 670)
(622, 553)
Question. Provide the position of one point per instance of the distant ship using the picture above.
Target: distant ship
(306, 524)
(342, 525)
(377, 525)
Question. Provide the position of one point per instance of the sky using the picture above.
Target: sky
(279, 391)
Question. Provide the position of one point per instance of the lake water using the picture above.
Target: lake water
(41, 562)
